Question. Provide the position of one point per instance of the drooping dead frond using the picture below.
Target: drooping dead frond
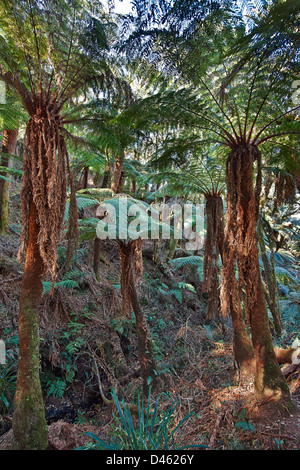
(285, 189)
(44, 183)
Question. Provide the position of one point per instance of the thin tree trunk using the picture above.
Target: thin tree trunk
(97, 254)
(155, 256)
(8, 146)
(145, 352)
(85, 178)
(130, 298)
(106, 181)
(269, 380)
(270, 279)
(117, 176)
(133, 186)
(172, 247)
(212, 251)
(29, 423)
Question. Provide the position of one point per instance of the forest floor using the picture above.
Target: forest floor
(81, 324)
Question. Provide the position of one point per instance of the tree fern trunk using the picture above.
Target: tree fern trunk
(243, 208)
(29, 423)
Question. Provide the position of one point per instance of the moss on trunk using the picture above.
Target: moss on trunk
(29, 423)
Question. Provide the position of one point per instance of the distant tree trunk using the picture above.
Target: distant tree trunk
(8, 146)
(155, 256)
(213, 250)
(270, 280)
(129, 297)
(97, 254)
(133, 186)
(145, 351)
(118, 173)
(242, 216)
(29, 423)
(85, 177)
(172, 247)
(106, 181)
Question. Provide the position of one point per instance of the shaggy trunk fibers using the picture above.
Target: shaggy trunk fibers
(43, 195)
(241, 249)
(44, 180)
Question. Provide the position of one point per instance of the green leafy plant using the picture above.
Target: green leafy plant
(56, 388)
(152, 432)
(8, 375)
(244, 424)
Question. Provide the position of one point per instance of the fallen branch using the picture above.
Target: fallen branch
(216, 428)
(106, 400)
(281, 436)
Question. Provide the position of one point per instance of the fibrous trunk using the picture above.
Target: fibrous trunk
(44, 181)
(43, 196)
(231, 294)
(241, 238)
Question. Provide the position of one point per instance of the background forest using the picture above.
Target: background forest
(135, 343)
